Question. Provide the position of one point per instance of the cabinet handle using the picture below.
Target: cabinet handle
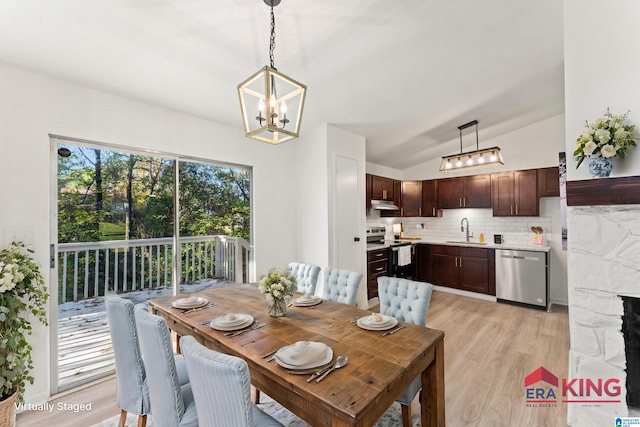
(516, 210)
(379, 254)
(379, 269)
(456, 262)
(419, 211)
(401, 211)
(433, 211)
(460, 266)
(465, 202)
(510, 209)
(384, 194)
(460, 202)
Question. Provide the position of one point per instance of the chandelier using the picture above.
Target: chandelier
(485, 157)
(271, 102)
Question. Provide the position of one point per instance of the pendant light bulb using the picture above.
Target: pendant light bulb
(283, 107)
(493, 157)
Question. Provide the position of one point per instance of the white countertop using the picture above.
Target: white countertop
(472, 244)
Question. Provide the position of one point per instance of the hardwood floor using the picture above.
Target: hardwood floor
(489, 349)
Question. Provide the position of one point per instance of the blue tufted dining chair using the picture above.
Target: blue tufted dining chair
(172, 404)
(221, 387)
(132, 392)
(341, 285)
(306, 276)
(407, 301)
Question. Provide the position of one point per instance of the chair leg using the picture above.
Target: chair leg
(256, 396)
(123, 418)
(142, 421)
(406, 415)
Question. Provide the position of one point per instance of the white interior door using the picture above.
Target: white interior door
(348, 215)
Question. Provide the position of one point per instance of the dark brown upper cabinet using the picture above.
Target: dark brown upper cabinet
(381, 188)
(515, 193)
(430, 198)
(465, 192)
(549, 182)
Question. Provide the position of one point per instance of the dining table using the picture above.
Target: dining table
(380, 366)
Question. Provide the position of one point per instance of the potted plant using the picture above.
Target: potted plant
(602, 140)
(278, 287)
(23, 295)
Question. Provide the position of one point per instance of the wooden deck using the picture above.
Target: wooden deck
(84, 349)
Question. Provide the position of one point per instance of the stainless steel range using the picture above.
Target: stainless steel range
(400, 252)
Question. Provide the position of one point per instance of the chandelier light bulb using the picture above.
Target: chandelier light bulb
(261, 105)
(469, 161)
(481, 159)
(283, 107)
(458, 163)
(493, 157)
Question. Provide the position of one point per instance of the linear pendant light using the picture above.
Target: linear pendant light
(271, 102)
(484, 157)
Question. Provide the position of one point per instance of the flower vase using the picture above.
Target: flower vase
(8, 411)
(277, 307)
(600, 167)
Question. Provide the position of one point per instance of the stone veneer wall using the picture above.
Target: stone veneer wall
(604, 263)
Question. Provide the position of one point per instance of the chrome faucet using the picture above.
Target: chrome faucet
(462, 227)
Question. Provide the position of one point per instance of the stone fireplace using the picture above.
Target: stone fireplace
(604, 267)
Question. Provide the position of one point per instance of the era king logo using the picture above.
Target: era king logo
(539, 383)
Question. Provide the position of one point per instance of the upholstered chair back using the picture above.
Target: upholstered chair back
(404, 299)
(408, 301)
(172, 404)
(341, 285)
(306, 276)
(221, 387)
(131, 378)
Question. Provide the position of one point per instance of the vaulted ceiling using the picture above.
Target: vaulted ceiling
(403, 74)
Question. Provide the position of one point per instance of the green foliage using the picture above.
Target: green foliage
(22, 293)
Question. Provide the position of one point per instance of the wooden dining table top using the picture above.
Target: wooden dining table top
(378, 370)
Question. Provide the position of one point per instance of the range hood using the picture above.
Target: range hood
(383, 205)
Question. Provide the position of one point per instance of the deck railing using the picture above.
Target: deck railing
(93, 269)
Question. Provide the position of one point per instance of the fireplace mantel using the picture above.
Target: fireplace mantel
(604, 191)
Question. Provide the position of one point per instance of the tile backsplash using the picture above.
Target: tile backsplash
(516, 230)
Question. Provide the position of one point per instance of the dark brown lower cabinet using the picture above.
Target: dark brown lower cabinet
(459, 267)
(377, 265)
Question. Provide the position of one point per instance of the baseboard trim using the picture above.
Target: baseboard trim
(464, 293)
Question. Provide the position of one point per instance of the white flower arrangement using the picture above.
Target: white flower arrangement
(278, 284)
(607, 136)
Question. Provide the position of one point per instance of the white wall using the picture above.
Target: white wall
(602, 69)
(33, 106)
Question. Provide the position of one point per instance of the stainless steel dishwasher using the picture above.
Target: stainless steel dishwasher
(522, 277)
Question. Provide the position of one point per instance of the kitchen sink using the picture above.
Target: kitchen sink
(464, 242)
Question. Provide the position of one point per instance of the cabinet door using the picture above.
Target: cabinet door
(381, 188)
(411, 201)
(397, 200)
(477, 191)
(430, 198)
(474, 266)
(421, 263)
(526, 192)
(444, 266)
(450, 193)
(549, 182)
(502, 193)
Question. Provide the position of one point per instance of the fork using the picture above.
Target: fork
(191, 310)
(393, 331)
(257, 325)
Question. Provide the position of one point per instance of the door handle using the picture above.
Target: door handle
(356, 239)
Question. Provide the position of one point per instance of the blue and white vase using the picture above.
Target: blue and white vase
(600, 167)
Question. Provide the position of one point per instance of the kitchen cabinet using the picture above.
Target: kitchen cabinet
(515, 193)
(464, 268)
(421, 262)
(396, 199)
(381, 188)
(465, 192)
(411, 199)
(377, 265)
(430, 199)
(549, 182)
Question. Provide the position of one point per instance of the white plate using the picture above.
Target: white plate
(378, 326)
(225, 323)
(328, 358)
(385, 320)
(186, 303)
(248, 320)
(306, 302)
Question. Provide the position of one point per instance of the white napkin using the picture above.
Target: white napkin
(302, 353)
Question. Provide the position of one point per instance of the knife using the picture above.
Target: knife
(393, 331)
(191, 310)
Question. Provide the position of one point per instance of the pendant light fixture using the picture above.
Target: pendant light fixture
(484, 157)
(271, 102)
